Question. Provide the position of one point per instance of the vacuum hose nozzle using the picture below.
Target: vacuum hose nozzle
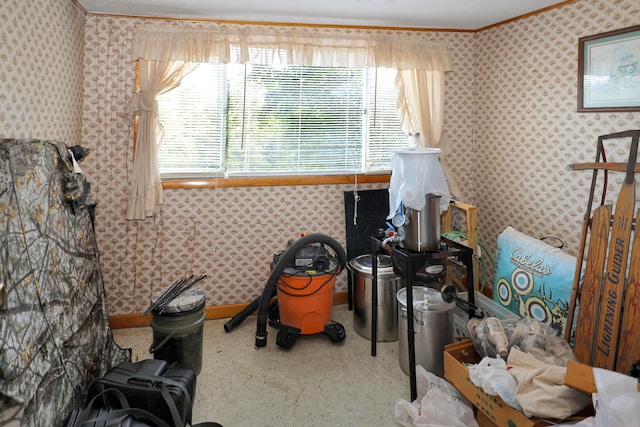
(261, 340)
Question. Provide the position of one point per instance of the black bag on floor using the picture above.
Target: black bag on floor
(122, 415)
(150, 386)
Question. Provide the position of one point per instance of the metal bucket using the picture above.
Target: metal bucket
(433, 325)
(388, 284)
(421, 229)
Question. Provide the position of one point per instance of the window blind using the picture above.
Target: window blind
(194, 124)
(279, 120)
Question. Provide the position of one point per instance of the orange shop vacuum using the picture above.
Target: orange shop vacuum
(298, 296)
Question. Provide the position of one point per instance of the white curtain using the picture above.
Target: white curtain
(421, 111)
(156, 77)
(162, 51)
(421, 104)
(301, 45)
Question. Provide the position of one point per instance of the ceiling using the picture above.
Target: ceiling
(433, 14)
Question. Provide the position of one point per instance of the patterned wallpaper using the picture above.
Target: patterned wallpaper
(527, 129)
(230, 234)
(41, 48)
(510, 118)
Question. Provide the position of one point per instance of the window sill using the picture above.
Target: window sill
(272, 181)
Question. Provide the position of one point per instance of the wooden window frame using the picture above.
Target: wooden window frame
(274, 181)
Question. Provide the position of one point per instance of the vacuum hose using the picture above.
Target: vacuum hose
(242, 315)
(285, 258)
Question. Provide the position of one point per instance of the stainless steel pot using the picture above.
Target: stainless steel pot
(388, 284)
(433, 327)
(421, 229)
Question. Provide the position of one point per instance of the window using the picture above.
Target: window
(270, 120)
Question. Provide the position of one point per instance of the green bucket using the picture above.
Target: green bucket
(177, 331)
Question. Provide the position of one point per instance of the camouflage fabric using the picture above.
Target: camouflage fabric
(54, 332)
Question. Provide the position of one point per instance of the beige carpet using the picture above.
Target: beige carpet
(315, 383)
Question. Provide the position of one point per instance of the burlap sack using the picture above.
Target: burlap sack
(541, 391)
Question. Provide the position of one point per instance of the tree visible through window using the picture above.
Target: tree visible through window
(266, 120)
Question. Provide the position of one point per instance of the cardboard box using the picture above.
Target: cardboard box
(495, 410)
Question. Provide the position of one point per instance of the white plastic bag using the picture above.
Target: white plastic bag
(617, 402)
(438, 404)
(542, 342)
(587, 422)
(414, 174)
(492, 376)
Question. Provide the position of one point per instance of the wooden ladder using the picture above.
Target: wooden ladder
(607, 331)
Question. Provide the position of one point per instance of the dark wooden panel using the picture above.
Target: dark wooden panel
(372, 210)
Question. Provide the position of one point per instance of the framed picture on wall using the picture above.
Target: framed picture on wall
(609, 71)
